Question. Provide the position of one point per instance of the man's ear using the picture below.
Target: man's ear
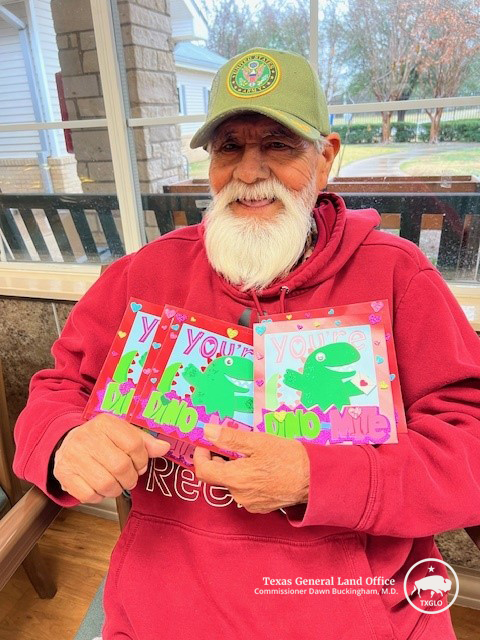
(325, 162)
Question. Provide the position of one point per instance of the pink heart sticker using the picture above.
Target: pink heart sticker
(377, 305)
(354, 412)
(259, 383)
(170, 313)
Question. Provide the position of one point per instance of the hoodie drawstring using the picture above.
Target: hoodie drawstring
(260, 312)
(284, 291)
(257, 305)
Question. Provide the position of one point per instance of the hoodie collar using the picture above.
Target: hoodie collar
(340, 233)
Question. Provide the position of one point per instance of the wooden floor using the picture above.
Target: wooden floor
(77, 548)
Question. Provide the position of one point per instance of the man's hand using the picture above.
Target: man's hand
(274, 473)
(103, 456)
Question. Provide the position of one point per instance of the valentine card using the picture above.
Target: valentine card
(202, 372)
(328, 376)
(115, 387)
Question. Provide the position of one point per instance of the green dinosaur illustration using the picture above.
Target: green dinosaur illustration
(321, 385)
(217, 387)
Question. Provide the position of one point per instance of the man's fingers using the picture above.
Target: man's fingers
(109, 483)
(128, 439)
(156, 448)
(81, 490)
(232, 439)
(207, 469)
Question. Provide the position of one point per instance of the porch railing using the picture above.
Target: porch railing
(86, 228)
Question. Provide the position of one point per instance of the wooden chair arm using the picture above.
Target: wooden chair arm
(21, 528)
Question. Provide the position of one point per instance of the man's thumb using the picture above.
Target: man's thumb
(156, 447)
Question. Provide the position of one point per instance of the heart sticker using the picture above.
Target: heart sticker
(153, 380)
(135, 306)
(175, 327)
(280, 415)
(289, 316)
(373, 319)
(170, 313)
(232, 333)
(193, 319)
(338, 323)
(299, 326)
(156, 345)
(377, 305)
(354, 412)
(308, 314)
(379, 359)
(383, 385)
(147, 371)
(376, 343)
(260, 356)
(259, 383)
(121, 334)
(260, 330)
(180, 317)
(363, 383)
(173, 335)
(114, 353)
(331, 312)
(392, 376)
(317, 323)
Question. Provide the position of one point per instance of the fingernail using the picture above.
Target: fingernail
(212, 432)
(142, 471)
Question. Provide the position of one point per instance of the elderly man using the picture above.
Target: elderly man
(227, 549)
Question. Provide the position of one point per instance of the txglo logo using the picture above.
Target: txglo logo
(429, 594)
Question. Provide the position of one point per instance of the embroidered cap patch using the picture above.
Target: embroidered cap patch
(253, 75)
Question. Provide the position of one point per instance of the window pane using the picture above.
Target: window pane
(389, 50)
(58, 208)
(49, 69)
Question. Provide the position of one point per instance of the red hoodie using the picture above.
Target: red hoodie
(189, 560)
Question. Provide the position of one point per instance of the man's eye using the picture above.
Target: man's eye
(229, 146)
(278, 145)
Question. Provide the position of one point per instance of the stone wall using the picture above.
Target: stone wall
(22, 175)
(148, 50)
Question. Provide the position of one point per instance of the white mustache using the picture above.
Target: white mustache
(265, 190)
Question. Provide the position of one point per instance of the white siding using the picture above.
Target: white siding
(15, 100)
(48, 42)
(42, 25)
(195, 82)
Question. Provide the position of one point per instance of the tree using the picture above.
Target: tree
(234, 27)
(450, 41)
(383, 49)
(231, 27)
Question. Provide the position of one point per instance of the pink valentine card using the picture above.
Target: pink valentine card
(116, 384)
(328, 375)
(203, 372)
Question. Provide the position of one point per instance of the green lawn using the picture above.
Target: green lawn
(353, 152)
(348, 154)
(455, 163)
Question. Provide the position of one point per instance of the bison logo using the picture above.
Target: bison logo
(434, 584)
(432, 588)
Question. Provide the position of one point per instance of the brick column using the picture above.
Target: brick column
(148, 49)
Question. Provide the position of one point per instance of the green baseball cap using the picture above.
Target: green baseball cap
(278, 84)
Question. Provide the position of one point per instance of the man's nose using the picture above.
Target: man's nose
(252, 166)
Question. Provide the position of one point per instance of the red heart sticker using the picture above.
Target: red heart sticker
(363, 383)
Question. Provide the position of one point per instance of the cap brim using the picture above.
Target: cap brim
(303, 129)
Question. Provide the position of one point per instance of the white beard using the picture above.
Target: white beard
(252, 252)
